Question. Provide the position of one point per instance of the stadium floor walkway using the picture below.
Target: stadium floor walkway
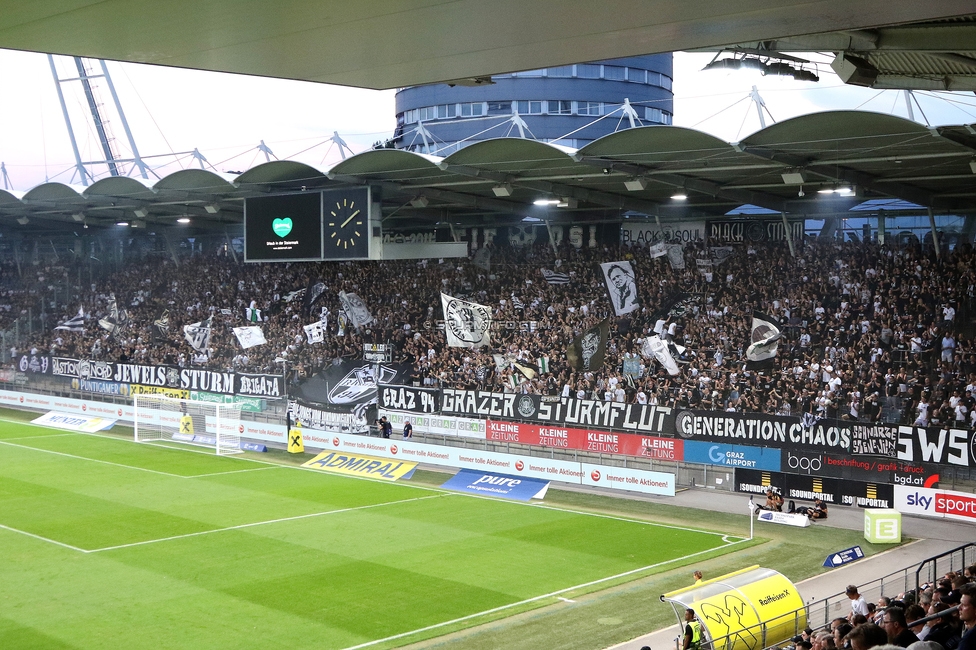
(932, 537)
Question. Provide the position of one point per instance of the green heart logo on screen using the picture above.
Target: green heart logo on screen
(281, 227)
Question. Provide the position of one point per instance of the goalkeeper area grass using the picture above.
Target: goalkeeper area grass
(106, 543)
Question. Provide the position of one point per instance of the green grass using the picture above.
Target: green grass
(108, 544)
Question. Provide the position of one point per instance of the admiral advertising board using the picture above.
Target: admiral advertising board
(560, 411)
(833, 491)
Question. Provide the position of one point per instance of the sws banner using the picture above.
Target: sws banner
(409, 398)
(628, 444)
(833, 491)
(560, 411)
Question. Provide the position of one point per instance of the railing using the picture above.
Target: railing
(819, 613)
(939, 565)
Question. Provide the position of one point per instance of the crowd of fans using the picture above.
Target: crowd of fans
(941, 616)
(866, 327)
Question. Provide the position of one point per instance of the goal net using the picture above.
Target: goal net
(207, 424)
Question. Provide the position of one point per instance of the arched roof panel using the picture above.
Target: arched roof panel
(123, 186)
(196, 180)
(390, 165)
(655, 145)
(514, 156)
(54, 192)
(11, 197)
(280, 171)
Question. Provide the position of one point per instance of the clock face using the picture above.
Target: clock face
(346, 228)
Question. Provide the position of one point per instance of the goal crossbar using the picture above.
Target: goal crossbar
(208, 424)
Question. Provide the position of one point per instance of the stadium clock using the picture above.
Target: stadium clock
(346, 221)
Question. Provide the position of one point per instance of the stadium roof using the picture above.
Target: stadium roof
(786, 168)
(383, 44)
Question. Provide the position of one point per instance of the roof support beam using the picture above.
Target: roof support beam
(711, 188)
(901, 191)
(607, 199)
(478, 202)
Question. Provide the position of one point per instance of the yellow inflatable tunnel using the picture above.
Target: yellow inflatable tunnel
(749, 609)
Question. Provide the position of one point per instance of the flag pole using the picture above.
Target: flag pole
(752, 519)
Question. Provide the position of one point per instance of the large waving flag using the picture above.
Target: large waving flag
(466, 324)
(765, 338)
(248, 337)
(198, 335)
(621, 286)
(588, 350)
(74, 324)
(356, 309)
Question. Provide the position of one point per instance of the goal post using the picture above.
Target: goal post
(208, 424)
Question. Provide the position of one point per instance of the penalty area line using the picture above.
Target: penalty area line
(261, 523)
(43, 539)
(557, 594)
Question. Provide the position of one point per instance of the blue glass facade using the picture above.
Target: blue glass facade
(569, 105)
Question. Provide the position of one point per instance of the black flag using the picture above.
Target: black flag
(588, 350)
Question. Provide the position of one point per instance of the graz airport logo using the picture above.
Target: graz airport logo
(468, 321)
(526, 407)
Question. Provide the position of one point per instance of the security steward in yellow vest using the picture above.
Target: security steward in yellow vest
(693, 632)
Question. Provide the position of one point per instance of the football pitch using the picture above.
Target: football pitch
(105, 543)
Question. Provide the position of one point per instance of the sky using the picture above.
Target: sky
(225, 116)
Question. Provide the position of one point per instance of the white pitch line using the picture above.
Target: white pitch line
(235, 471)
(261, 523)
(43, 539)
(565, 600)
(53, 435)
(533, 599)
(93, 460)
(724, 537)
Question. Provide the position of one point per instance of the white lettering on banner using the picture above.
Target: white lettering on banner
(441, 425)
(690, 425)
(930, 502)
(680, 232)
(934, 445)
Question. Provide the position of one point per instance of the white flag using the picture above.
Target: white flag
(656, 347)
(676, 256)
(659, 249)
(249, 336)
(198, 335)
(356, 309)
(315, 332)
(621, 286)
(466, 324)
(764, 339)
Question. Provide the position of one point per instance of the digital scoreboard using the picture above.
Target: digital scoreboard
(310, 226)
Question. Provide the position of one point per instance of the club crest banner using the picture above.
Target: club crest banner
(466, 324)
